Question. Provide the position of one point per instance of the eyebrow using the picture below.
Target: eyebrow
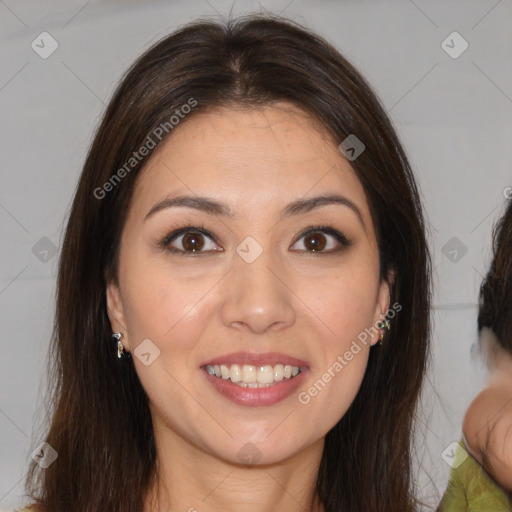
(213, 207)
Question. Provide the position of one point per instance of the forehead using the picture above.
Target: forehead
(249, 158)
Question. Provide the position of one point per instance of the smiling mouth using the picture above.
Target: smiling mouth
(253, 376)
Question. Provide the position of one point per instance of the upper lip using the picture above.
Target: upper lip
(254, 359)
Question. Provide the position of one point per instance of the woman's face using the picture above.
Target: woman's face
(248, 251)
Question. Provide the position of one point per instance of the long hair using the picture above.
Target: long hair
(495, 298)
(100, 425)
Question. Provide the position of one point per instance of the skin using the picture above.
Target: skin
(487, 423)
(304, 303)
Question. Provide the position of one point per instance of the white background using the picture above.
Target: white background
(453, 116)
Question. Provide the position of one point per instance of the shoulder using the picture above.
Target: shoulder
(491, 408)
(470, 487)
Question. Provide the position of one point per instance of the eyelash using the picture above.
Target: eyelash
(326, 230)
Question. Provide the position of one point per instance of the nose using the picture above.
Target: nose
(257, 296)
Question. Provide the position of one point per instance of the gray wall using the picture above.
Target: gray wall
(453, 115)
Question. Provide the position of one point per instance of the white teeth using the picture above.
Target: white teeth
(253, 376)
(248, 374)
(278, 372)
(265, 375)
(235, 374)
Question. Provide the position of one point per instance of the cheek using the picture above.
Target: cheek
(171, 311)
(163, 304)
(343, 302)
(345, 310)
(331, 392)
(343, 306)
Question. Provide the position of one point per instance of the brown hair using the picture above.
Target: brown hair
(495, 299)
(101, 426)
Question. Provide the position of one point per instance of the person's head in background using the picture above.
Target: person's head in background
(495, 299)
(251, 82)
(488, 420)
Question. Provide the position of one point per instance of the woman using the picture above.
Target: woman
(483, 481)
(248, 227)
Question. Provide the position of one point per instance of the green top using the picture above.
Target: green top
(471, 488)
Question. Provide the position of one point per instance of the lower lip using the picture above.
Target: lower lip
(256, 397)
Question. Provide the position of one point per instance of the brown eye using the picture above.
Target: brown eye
(315, 242)
(192, 242)
(321, 239)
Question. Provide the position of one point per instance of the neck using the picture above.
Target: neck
(193, 480)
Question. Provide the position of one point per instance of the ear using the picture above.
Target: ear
(115, 311)
(383, 303)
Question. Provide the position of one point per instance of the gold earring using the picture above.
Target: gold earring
(121, 352)
(383, 326)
